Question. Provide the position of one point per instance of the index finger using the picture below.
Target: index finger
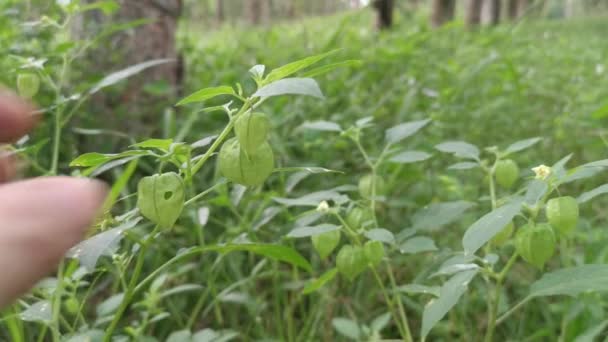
(16, 117)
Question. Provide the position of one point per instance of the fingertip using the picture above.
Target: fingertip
(16, 116)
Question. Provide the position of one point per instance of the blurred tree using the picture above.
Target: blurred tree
(220, 11)
(384, 8)
(257, 11)
(442, 12)
(522, 7)
(512, 9)
(473, 12)
(492, 9)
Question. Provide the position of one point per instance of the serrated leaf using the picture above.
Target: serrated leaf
(419, 289)
(380, 234)
(484, 229)
(301, 232)
(459, 149)
(90, 250)
(206, 94)
(38, 312)
(436, 215)
(347, 328)
(290, 86)
(397, 133)
(318, 283)
(522, 145)
(293, 67)
(449, 295)
(118, 76)
(463, 166)
(572, 281)
(322, 126)
(418, 244)
(410, 157)
(586, 196)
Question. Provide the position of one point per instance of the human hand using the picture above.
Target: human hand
(40, 218)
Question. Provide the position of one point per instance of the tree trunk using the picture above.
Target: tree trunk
(492, 12)
(443, 11)
(258, 11)
(384, 9)
(473, 12)
(569, 8)
(522, 7)
(220, 11)
(512, 9)
(153, 40)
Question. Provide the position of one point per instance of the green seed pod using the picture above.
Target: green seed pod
(562, 213)
(28, 85)
(160, 198)
(506, 173)
(325, 243)
(351, 261)
(365, 186)
(71, 305)
(504, 235)
(252, 130)
(246, 169)
(535, 244)
(374, 252)
(358, 218)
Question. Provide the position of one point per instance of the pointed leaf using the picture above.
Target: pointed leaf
(397, 133)
(206, 94)
(451, 292)
(410, 157)
(572, 281)
(460, 149)
(301, 232)
(293, 67)
(436, 215)
(291, 86)
(322, 126)
(418, 244)
(522, 145)
(318, 283)
(118, 76)
(484, 229)
(600, 190)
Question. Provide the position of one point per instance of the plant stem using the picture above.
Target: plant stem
(220, 139)
(130, 291)
(404, 320)
(56, 305)
(493, 312)
(391, 306)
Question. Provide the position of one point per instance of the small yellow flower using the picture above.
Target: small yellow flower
(323, 207)
(542, 171)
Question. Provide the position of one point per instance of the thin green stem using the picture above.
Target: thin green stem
(404, 320)
(56, 306)
(220, 139)
(391, 306)
(494, 302)
(130, 291)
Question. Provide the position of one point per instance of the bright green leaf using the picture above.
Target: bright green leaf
(484, 229)
(206, 94)
(315, 284)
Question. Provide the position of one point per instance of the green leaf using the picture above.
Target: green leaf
(484, 229)
(397, 133)
(322, 126)
(118, 76)
(592, 334)
(278, 252)
(380, 234)
(436, 215)
(522, 145)
(572, 281)
(290, 86)
(38, 312)
(418, 244)
(293, 67)
(315, 284)
(419, 289)
(463, 166)
(347, 328)
(110, 305)
(91, 159)
(325, 243)
(586, 196)
(301, 232)
(410, 157)
(206, 94)
(161, 144)
(449, 295)
(329, 67)
(601, 112)
(535, 191)
(459, 149)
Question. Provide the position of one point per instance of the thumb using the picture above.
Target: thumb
(40, 219)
